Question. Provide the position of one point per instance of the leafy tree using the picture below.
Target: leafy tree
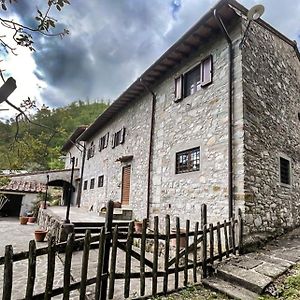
(36, 148)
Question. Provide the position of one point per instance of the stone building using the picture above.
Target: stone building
(211, 121)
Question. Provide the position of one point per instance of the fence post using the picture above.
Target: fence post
(50, 267)
(8, 272)
(204, 251)
(203, 215)
(31, 270)
(240, 223)
(204, 239)
(108, 229)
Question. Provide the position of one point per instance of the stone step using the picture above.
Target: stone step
(232, 290)
(249, 279)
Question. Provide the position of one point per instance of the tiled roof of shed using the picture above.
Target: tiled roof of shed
(24, 187)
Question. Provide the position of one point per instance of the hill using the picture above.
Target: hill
(25, 146)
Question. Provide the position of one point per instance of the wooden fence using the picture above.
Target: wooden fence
(195, 249)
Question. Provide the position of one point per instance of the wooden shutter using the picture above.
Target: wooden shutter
(126, 172)
(122, 137)
(106, 140)
(178, 88)
(206, 71)
(113, 140)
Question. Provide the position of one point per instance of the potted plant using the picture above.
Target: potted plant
(138, 226)
(23, 220)
(40, 235)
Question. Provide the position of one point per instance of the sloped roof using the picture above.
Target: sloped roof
(192, 40)
(24, 187)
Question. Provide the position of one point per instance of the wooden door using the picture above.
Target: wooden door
(125, 185)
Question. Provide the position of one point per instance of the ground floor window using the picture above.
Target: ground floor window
(100, 181)
(188, 160)
(285, 170)
(92, 183)
(85, 184)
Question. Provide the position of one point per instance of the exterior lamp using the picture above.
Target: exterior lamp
(7, 88)
(253, 14)
(46, 194)
(67, 220)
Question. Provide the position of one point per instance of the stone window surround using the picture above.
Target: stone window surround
(189, 70)
(182, 147)
(85, 184)
(282, 155)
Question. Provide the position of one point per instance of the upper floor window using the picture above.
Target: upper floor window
(118, 137)
(285, 170)
(103, 142)
(188, 161)
(192, 81)
(76, 162)
(91, 151)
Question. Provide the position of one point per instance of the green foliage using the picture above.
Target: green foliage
(288, 287)
(36, 148)
(4, 181)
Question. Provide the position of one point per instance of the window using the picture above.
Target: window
(103, 142)
(92, 183)
(76, 162)
(91, 151)
(85, 184)
(188, 161)
(206, 71)
(285, 171)
(118, 138)
(193, 80)
(100, 181)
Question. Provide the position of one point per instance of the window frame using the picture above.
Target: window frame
(286, 158)
(103, 142)
(92, 183)
(180, 81)
(85, 185)
(190, 161)
(100, 181)
(118, 137)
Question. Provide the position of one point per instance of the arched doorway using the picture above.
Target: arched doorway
(64, 188)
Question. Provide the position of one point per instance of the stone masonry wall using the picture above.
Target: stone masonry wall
(198, 120)
(271, 73)
(201, 120)
(136, 119)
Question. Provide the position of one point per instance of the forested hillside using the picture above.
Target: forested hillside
(26, 146)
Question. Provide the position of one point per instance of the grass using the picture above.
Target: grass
(287, 287)
(194, 292)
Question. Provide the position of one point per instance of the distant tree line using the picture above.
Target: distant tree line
(24, 146)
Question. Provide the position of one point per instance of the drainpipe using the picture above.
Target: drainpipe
(230, 112)
(150, 145)
(81, 176)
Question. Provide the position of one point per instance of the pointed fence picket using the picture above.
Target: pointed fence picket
(177, 267)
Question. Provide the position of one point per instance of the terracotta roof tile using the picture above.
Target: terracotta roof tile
(24, 186)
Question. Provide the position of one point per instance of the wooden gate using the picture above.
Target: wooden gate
(130, 264)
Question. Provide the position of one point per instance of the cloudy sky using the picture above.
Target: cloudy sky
(111, 43)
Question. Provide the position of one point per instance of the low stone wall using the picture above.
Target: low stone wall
(52, 223)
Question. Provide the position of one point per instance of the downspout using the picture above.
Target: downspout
(150, 145)
(230, 112)
(81, 176)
